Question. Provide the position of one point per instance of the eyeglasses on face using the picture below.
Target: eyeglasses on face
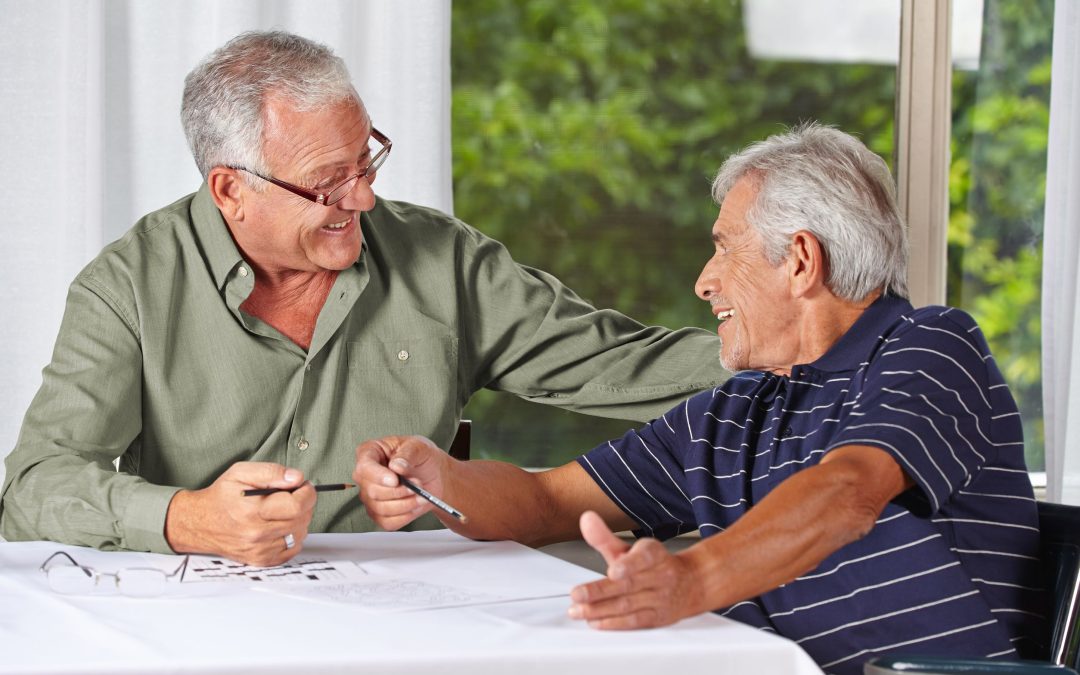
(338, 192)
(70, 578)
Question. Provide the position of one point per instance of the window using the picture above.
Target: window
(997, 180)
(586, 136)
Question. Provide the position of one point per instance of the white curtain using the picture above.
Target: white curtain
(1061, 263)
(91, 137)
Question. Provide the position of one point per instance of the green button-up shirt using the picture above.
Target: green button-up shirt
(157, 364)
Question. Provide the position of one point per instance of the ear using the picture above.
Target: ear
(226, 188)
(807, 264)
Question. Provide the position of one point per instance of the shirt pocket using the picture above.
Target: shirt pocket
(403, 354)
(410, 385)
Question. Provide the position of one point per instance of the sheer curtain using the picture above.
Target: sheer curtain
(1061, 258)
(90, 94)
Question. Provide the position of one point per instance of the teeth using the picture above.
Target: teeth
(725, 315)
(337, 226)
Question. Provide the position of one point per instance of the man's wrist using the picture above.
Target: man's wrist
(177, 533)
(710, 583)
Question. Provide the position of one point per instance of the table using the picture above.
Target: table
(237, 628)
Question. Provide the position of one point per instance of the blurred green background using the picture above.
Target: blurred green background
(585, 137)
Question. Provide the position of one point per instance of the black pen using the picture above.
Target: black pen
(257, 492)
(433, 499)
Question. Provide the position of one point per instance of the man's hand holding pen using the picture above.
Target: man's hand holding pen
(401, 478)
(220, 520)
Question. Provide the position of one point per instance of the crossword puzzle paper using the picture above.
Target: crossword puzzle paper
(392, 595)
(206, 568)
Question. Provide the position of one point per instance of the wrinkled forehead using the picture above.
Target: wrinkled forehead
(732, 219)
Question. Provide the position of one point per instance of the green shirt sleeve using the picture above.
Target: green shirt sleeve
(536, 338)
(61, 482)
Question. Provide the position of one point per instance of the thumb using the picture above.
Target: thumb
(598, 535)
(416, 457)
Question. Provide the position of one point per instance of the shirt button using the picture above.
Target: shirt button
(242, 271)
(308, 367)
(403, 355)
(302, 444)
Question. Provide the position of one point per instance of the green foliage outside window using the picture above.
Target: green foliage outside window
(585, 137)
(997, 186)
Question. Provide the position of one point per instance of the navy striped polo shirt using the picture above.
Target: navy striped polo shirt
(951, 566)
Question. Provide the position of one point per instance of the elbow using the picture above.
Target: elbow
(855, 504)
(859, 482)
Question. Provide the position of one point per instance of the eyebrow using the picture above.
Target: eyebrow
(319, 171)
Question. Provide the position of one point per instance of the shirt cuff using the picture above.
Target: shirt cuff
(144, 518)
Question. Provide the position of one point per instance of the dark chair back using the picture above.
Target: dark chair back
(1059, 526)
(460, 447)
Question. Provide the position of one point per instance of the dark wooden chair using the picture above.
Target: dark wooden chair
(460, 446)
(1060, 530)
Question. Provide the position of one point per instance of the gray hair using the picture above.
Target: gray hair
(828, 183)
(225, 95)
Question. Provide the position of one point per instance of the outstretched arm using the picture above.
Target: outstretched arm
(501, 500)
(804, 520)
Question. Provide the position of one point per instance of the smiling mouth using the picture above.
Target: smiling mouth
(725, 315)
(338, 226)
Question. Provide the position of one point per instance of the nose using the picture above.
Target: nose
(708, 282)
(360, 198)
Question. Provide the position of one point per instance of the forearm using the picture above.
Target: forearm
(499, 500)
(503, 501)
(78, 502)
(800, 523)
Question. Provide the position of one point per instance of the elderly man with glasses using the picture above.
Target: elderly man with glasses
(250, 335)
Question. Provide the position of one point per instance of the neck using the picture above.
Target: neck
(823, 321)
(290, 301)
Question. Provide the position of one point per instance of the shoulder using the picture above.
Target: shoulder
(428, 237)
(935, 328)
(403, 218)
(417, 229)
(153, 246)
(140, 269)
(938, 350)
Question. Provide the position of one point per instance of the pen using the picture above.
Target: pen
(433, 499)
(318, 488)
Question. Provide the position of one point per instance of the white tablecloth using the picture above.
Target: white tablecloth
(235, 628)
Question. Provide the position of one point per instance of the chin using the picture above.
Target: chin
(733, 362)
(339, 259)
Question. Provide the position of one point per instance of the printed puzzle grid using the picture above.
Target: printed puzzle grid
(221, 569)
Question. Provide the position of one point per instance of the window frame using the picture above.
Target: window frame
(923, 130)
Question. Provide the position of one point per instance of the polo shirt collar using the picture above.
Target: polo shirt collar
(855, 346)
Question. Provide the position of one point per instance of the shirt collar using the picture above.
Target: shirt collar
(855, 345)
(216, 241)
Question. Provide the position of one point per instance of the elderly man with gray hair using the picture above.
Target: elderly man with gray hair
(859, 486)
(248, 336)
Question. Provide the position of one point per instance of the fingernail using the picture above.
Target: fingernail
(574, 612)
(389, 481)
(292, 475)
(399, 463)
